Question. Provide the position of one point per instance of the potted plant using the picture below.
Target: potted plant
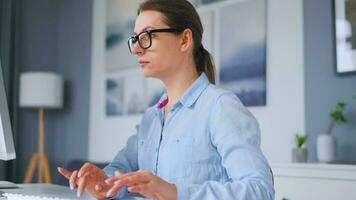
(326, 143)
(300, 152)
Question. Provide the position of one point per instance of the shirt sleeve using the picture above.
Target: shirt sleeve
(125, 161)
(235, 134)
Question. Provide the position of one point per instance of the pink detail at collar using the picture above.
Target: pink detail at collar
(162, 104)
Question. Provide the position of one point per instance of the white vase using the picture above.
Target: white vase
(326, 148)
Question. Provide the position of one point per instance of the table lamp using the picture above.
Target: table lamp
(40, 90)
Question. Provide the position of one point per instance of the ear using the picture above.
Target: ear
(186, 41)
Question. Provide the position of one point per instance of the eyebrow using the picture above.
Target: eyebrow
(147, 27)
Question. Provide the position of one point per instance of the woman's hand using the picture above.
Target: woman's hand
(144, 183)
(89, 178)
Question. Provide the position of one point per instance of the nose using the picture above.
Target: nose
(136, 49)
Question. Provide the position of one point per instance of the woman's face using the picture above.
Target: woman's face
(163, 58)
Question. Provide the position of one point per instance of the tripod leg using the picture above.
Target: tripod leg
(40, 169)
(47, 172)
(31, 168)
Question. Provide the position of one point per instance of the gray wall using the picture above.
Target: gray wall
(323, 88)
(55, 35)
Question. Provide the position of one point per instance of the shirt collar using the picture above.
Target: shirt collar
(190, 95)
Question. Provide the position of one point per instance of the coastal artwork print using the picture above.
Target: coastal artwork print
(242, 50)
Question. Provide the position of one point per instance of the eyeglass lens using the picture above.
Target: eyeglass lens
(143, 39)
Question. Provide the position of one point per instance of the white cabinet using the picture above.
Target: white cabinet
(314, 181)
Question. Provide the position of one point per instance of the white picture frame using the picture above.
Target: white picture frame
(345, 37)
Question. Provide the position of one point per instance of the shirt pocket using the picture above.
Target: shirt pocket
(180, 155)
(146, 152)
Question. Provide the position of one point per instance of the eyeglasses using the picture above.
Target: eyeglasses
(144, 38)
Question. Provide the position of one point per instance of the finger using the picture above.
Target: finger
(81, 185)
(138, 178)
(101, 189)
(118, 174)
(118, 185)
(131, 180)
(99, 195)
(84, 169)
(64, 172)
(125, 176)
(135, 188)
(117, 177)
(73, 180)
(111, 181)
(98, 187)
(114, 190)
(142, 189)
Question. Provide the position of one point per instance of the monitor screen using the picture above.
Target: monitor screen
(7, 149)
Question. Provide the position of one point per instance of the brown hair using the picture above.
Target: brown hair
(181, 15)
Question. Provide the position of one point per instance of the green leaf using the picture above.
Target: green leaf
(337, 113)
(300, 140)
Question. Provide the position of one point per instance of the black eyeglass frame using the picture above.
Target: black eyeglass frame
(135, 38)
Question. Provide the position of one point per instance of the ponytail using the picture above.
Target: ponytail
(204, 63)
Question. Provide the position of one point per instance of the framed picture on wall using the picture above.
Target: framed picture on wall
(241, 45)
(345, 36)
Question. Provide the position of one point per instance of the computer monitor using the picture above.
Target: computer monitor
(7, 149)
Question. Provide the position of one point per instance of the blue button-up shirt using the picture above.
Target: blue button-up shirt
(208, 146)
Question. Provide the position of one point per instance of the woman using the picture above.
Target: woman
(199, 141)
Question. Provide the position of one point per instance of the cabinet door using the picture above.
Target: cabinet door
(295, 188)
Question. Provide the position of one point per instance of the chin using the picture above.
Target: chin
(148, 74)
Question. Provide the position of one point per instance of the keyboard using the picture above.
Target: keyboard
(46, 192)
(42, 192)
(10, 196)
(7, 185)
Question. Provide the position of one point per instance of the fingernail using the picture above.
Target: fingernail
(97, 187)
(117, 182)
(71, 187)
(78, 193)
(129, 189)
(109, 193)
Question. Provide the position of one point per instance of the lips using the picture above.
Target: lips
(143, 62)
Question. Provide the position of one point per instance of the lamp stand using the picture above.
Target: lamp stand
(40, 158)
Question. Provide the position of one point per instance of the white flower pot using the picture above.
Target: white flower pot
(326, 148)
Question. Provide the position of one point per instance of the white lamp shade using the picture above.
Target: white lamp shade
(41, 90)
